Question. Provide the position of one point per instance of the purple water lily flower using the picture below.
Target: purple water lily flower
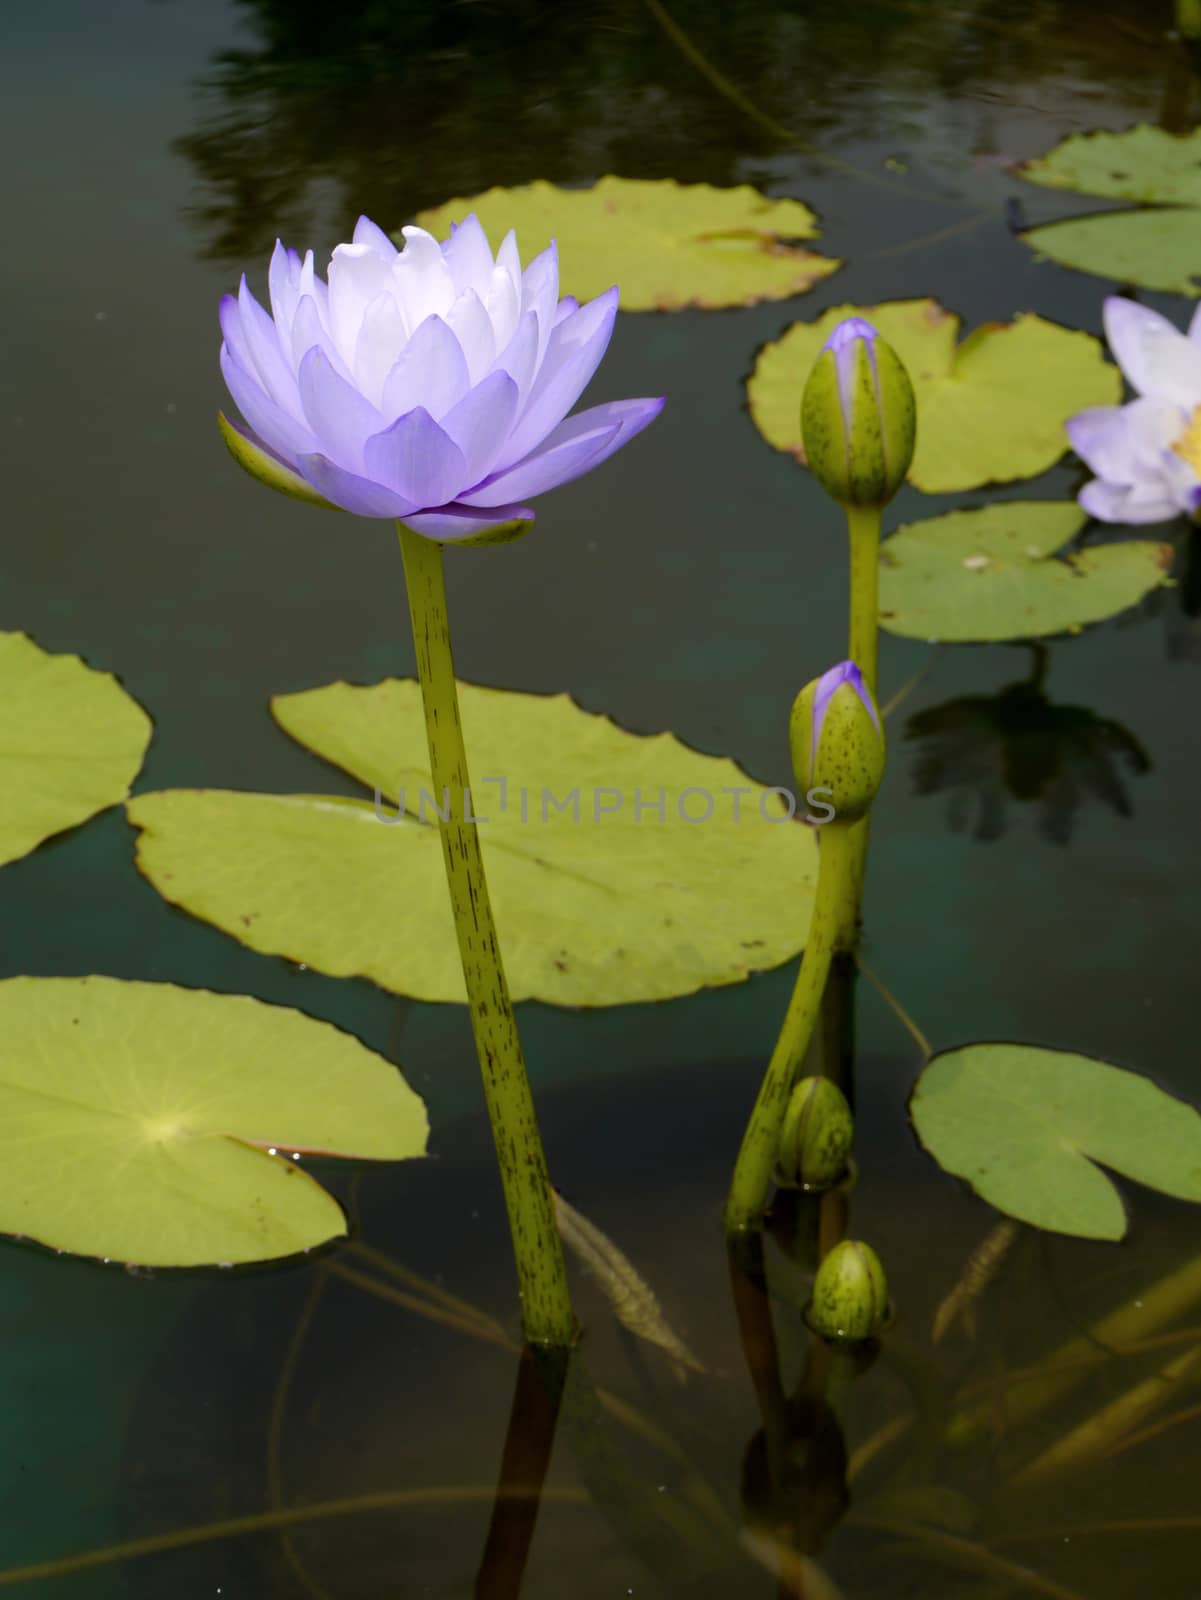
(1147, 454)
(430, 384)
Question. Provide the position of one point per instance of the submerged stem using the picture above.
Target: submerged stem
(541, 1272)
(757, 1157)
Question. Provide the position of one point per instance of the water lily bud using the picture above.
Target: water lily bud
(858, 416)
(850, 1295)
(816, 1137)
(838, 742)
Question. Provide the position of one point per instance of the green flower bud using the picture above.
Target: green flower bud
(816, 1137)
(850, 1295)
(838, 742)
(858, 417)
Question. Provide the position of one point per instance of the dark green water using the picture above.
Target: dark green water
(154, 151)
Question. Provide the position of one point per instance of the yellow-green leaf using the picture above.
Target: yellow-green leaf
(71, 743)
(665, 244)
(141, 1122)
(1157, 248)
(989, 411)
(1029, 1130)
(599, 900)
(994, 574)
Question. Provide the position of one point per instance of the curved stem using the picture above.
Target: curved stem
(863, 528)
(757, 1157)
(541, 1272)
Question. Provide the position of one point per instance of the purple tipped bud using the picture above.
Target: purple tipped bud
(858, 419)
(838, 742)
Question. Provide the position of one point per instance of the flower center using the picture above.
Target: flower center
(1188, 446)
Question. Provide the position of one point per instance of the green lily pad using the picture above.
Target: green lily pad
(1029, 1129)
(666, 244)
(1159, 248)
(141, 1122)
(71, 743)
(994, 574)
(982, 414)
(1144, 164)
(598, 901)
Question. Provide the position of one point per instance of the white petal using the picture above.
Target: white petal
(284, 284)
(421, 279)
(472, 326)
(502, 303)
(509, 260)
(357, 276)
(366, 232)
(467, 255)
(1194, 327)
(540, 294)
(381, 341)
(1158, 360)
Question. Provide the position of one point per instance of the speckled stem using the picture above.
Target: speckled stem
(863, 528)
(757, 1157)
(541, 1272)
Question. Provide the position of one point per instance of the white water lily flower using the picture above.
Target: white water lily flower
(1147, 454)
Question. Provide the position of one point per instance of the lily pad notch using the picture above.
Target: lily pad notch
(1029, 1129)
(159, 1126)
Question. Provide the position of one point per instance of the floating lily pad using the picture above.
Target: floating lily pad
(1160, 248)
(140, 1122)
(665, 244)
(994, 574)
(988, 412)
(1029, 1129)
(598, 900)
(71, 743)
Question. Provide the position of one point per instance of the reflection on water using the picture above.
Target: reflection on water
(1178, 606)
(780, 1471)
(985, 750)
(387, 108)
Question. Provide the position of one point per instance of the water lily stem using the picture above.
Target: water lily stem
(757, 1157)
(541, 1272)
(863, 528)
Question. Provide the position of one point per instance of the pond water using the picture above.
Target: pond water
(156, 149)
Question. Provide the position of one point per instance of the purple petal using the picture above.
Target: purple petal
(848, 331)
(310, 333)
(462, 522)
(480, 424)
(1101, 438)
(519, 358)
(431, 371)
(568, 307)
(828, 685)
(573, 448)
(282, 434)
(348, 490)
(261, 336)
(283, 280)
(417, 460)
(366, 232)
(572, 356)
(341, 419)
(539, 294)
(230, 318)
